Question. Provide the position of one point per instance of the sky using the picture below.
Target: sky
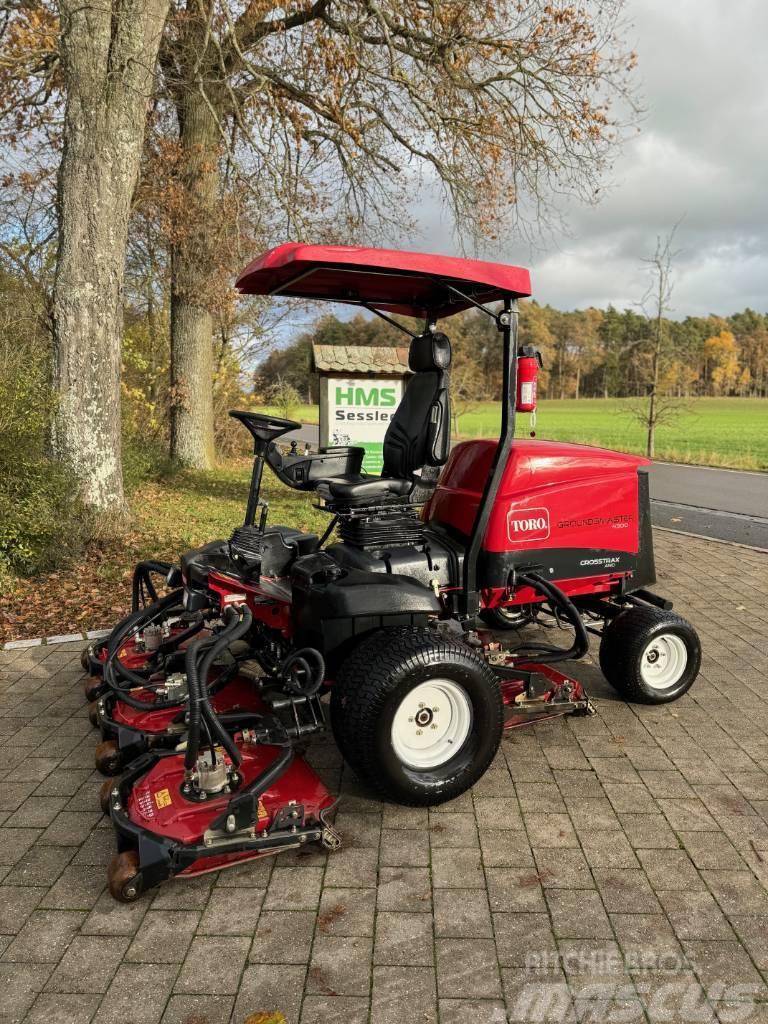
(701, 159)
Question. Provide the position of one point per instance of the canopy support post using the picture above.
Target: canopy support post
(507, 322)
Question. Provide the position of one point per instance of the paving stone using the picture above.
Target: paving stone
(266, 988)
(139, 992)
(648, 831)
(505, 848)
(294, 889)
(164, 937)
(625, 890)
(198, 1010)
(340, 965)
(532, 996)
(449, 829)
(551, 831)
(644, 938)
(753, 933)
(283, 937)
(45, 936)
(607, 850)
(498, 812)
(346, 912)
(88, 964)
(334, 1010)
(63, 1009)
(688, 816)
(184, 894)
(401, 847)
(593, 815)
(578, 914)
(403, 993)
(251, 874)
(213, 965)
(14, 843)
(539, 797)
(512, 889)
(403, 938)
(711, 850)
(566, 869)
(353, 868)
(40, 865)
(16, 904)
(462, 914)
(725, 963)
(20, 984)
(519, 937)
(737, 892)
(405, 889)
(77, 888)
(457, 869)
(695, 915)
(109, 917)
(36, 812)
(231, 912)
(467, 968)
(670, 869)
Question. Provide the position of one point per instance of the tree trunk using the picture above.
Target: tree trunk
(108, 58)
(191, 322)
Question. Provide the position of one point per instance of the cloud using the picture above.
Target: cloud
(701, 159)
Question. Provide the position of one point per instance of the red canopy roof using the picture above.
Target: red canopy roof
(411, 283)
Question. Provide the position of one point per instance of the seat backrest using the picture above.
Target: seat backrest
(419, 433)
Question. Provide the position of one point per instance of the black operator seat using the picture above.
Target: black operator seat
(418, 435)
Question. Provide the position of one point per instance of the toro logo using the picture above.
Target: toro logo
(527, 524)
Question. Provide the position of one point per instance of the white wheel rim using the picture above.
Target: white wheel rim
(431, 724)
(664, 661)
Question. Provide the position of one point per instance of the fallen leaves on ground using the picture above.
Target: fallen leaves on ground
(167, 518)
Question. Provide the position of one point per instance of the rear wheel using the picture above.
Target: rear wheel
(514, 617)
(419, 718)
(650, 656)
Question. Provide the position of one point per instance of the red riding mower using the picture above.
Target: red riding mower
(393, 616)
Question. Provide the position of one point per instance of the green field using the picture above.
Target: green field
(708, 431)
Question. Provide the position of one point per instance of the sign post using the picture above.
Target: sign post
(360, 389)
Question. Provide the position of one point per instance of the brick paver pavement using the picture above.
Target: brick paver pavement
(611, 868)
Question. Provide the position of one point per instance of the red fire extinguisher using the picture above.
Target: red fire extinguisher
(528, 363)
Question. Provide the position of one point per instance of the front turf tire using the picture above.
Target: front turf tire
(376, 708)
(650, 656)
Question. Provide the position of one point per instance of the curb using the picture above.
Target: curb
(44, 641)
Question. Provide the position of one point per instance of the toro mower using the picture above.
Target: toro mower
(407, 610)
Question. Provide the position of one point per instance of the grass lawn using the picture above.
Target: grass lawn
(708, 431)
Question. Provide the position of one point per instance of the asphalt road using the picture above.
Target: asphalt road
(725, 504)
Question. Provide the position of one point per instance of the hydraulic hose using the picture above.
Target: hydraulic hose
(142, 580)
(129, 623)
(238, 624)
(558, 599)
(298, 662)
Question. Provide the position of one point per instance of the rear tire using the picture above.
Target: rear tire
(514, 617)
(418, 718)
(650, 656)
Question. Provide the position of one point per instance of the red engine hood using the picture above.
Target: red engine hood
(561, 478)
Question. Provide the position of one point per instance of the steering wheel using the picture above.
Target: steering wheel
(264, 428)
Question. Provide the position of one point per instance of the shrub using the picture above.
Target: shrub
(42, 520)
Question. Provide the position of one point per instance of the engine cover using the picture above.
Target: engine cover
(571, 511)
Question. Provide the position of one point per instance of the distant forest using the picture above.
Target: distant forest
(590, 353)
